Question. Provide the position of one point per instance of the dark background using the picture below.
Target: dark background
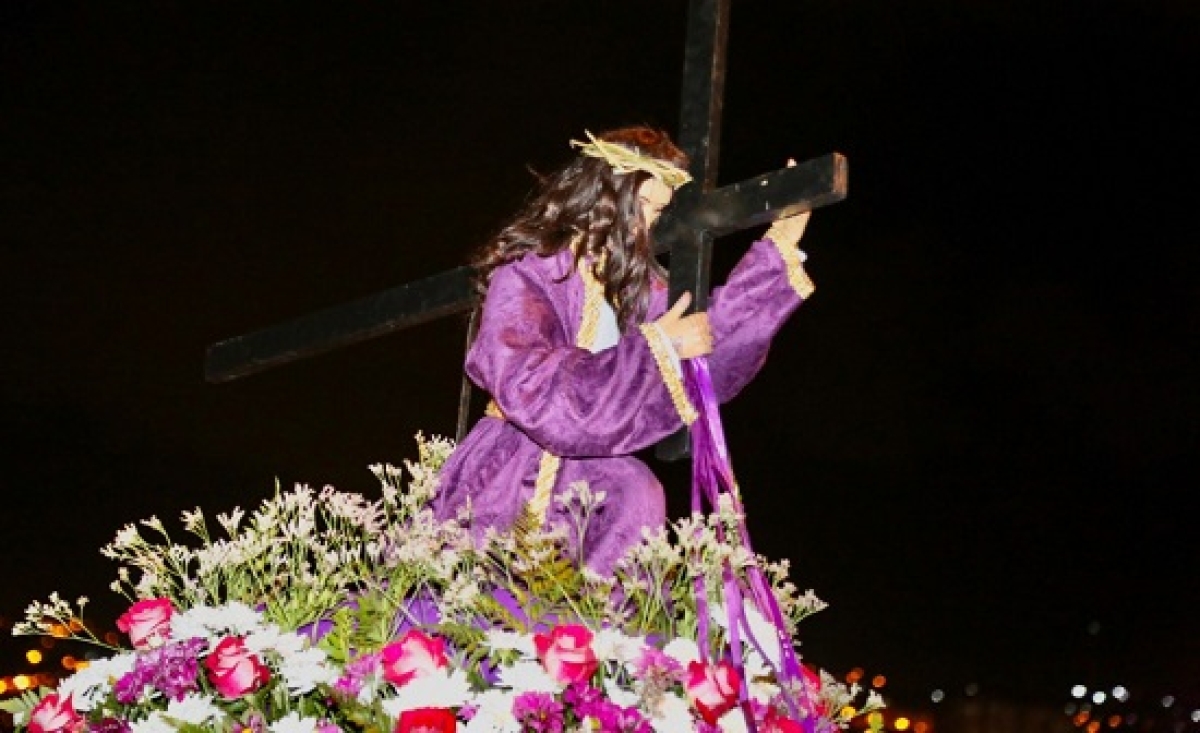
(976, 442)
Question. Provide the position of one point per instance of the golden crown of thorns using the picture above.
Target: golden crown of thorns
(628, 160)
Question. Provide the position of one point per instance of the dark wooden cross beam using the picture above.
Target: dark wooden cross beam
(697, 215)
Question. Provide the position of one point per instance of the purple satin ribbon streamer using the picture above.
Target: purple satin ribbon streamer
(712, 475)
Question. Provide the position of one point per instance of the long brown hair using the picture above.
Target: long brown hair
(589, 206)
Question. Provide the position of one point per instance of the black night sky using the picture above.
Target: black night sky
(976, 443)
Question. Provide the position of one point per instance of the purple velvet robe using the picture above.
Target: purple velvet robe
(594, 409)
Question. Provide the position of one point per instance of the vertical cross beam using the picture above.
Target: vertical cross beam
(702, 99)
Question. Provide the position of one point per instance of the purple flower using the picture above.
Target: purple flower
(253, 723)
(109, 725)
(615, 719)
(583, 699)
(538, 712)
(171, 669)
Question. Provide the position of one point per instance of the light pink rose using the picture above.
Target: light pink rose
(235, 670)
(147, 622)
(567, 653)
(55, 715)
(713, 689)
(414, 656)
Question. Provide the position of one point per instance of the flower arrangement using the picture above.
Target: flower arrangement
(326, 611)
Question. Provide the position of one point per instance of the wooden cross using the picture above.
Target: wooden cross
(697, 215)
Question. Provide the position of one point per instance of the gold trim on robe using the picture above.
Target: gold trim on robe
(796, 275)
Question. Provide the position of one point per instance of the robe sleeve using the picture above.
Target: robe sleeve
(571, 402)
(766, 287)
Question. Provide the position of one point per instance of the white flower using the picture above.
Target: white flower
(684, 651)
(153, 724)
(614, 645)
(528, 676)
(293, 723)
(672, 715)
(498, 640)
(733, 721)
(438, 690)
(194, 708)
(208, 622)
(269, 637)
(92, 684)
(622, 697)
(304, 670)
(494, 714)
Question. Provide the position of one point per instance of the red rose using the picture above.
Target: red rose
(776, 723)
(414, 656)
(567, 653)
(713, 689)
(54, 715)
(426, 720)
(147, 622)
(235, 670)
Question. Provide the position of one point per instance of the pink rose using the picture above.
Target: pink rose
(427, 720)
(147, 622)
(54, 714)
(567, 653)
(235, 670)
(415, 655)
(713, 689)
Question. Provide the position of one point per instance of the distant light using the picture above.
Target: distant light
(21, 682)
(854, 675)
(33, 656)
(1131, 719)
(878, 681)
(972, 689)
(1093, 726)
(47, 642)
(1099, 697)
(1069, 709)
(1168, 701)
(1078, 691)
(1195, 716)
(112, 638)
(82, 664)
(1093, 628)
(937, 696)
(1081, 717)
(901, 724)
(1114, 721)
(68, 662)
(920, 727)
(3, 686)
(875, 719)
(1120, 693)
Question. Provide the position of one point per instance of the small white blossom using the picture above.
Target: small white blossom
(195, 709)
(294, 723)
(92, 684)
(437, 690)
(494, 714)
(156, 723)
(528, 676)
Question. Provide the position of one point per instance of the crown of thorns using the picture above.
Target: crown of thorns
(628, 160)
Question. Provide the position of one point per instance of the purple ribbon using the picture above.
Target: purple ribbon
(712, 476)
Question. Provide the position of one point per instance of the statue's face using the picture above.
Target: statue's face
(654, 195)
